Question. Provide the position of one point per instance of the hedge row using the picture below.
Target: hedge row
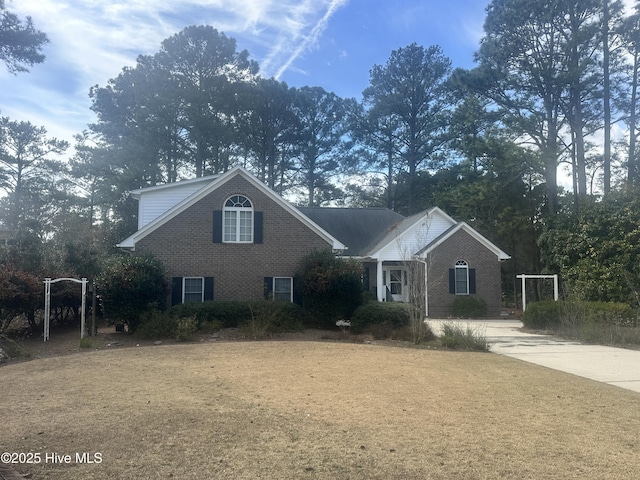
(549, 313)
(390, 314)
(179, 321)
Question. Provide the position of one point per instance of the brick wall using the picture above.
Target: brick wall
(462, 246)
(185, 245)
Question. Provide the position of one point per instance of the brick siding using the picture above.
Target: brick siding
(460, 246)
(185, 245)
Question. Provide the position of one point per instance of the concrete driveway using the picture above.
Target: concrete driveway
(615, 366)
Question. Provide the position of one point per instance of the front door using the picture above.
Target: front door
(395, 281)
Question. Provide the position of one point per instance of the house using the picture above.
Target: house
(230, 237)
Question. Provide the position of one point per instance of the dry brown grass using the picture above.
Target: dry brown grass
(314, 410)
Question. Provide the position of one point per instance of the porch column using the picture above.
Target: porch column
(380, 292)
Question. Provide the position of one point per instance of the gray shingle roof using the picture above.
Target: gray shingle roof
(358, 228)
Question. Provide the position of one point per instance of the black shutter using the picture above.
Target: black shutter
(297, 291)
(257, 227)
(268, 287)
(472, 280)
(208, 288)
(176, 291)
(452, 281)
(217, 226)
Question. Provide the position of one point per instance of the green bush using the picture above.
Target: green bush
(468, 307)
(552, 314)
(223, 314)
(544, 314)
(274, 317)
(331, 287)
(156, 324)
(131, 286)
(611, 313)
(389, 315)
(20, 294)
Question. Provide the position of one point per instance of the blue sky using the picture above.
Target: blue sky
(327, 43)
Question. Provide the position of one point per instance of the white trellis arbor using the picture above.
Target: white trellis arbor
(47, 303)
(524, 277)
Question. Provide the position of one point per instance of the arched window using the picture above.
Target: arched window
(462, 278)
(238, 220)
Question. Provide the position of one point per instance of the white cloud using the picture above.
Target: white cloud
(309, 40)
(91, 41)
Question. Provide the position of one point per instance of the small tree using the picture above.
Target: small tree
(331, 287)
(19, 295)
(131, 286)
(417, 299)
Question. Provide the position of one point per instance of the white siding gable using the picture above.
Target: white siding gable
(154, 201)
(422, 231)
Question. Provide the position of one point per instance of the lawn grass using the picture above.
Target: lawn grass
(316, 410)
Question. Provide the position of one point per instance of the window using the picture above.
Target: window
(192, 289)
(462, 278)
(238, 220)
(283, 289)
(278, 288)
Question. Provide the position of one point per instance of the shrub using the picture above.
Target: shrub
(268, 317)
(331, 287)
(611, 313)
(156, 324)
(12, 349)
(457, 338)
(544, 314)
(257, 319)
(221, 314)
(186, 328)
(468, 307)
(387, 314)
(131, 286)
(552, 314)
(20, 294)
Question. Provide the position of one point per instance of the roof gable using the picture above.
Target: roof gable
(419, 234)
(208, 187)
(472, 232)
(411, 234)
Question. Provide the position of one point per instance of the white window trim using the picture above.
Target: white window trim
(184, 282)
(273, 289)
(226, 209)
(460, 265)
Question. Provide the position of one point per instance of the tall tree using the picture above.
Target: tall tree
(580, 23)
(410, 90)
(138, 126)
(379, 146)
(174, 112)
(20, 43)
(204, 67)
(266, 129)
(523, 70)
(27, 169)
(320, 141)
(630, 34)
